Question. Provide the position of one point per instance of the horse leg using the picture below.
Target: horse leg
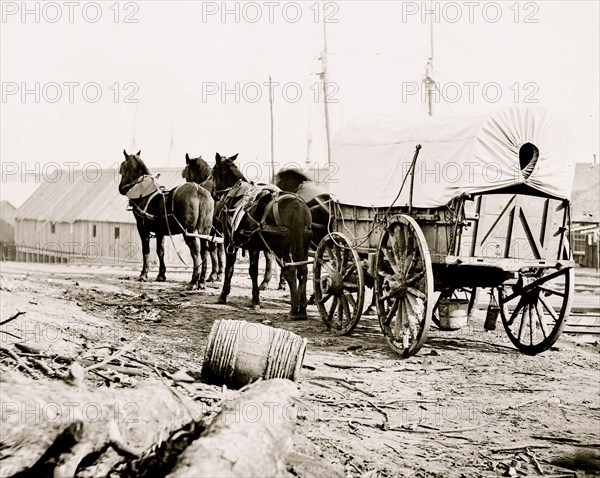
(254, 257)
(192, 244)
(220, 254)
(268, 270)
(204, 259)
(230, 258)
(371, 310)
(145, 238)
(160, 252)
(212, 249)
(289, 273)
(281, 285)
(302, 274)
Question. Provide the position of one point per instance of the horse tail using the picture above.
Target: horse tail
(300, 231)
(205, 214)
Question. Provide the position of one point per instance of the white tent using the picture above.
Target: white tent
(459, 154)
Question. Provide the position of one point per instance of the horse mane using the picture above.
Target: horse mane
(234, 170)
(203, 168)
(141, 165)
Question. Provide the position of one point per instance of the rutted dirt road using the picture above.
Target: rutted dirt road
(467, 405)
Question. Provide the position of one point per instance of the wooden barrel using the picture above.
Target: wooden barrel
(239, 353)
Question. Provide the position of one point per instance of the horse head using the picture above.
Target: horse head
(225, 173)
(290, 179)
(130, 170)
(196, 170)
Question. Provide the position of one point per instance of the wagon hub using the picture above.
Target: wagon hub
(332, 284)
(395, 287)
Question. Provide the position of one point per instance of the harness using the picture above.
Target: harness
(144, 189)
(242, 200)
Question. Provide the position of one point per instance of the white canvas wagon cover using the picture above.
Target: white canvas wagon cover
(460, 154)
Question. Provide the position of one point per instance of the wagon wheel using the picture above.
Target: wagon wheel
(467, 293)
(339, 284)
(534, 311)
(404, 286)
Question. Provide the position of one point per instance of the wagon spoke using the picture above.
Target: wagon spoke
(350, 299)
(399, 250)
(531, 326)
(326, 265)
(398, 323)
(333, 256)
(408, 263)
(332, 309)
(346, 308)
(392, 260)
(520, 304)
(541, 321)
(326, 297)
(340, 310)
(549, 309)
(522, 324)
(551, 291)
(352, 286)
(390, 314)
(416, 293)
(415, 278)
(349, 272)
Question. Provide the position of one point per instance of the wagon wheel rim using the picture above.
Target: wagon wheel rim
(535, 310)
(404, 286)
(464, 293)
(339, 285)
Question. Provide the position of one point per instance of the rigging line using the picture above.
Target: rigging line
(384, 57)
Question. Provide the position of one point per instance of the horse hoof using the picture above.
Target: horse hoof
(297, 316)
(254, 307)
(281, 287)
(370, 311)
(263, 286)
(201, 285)
(219, 277)
(142, 279)
(311, 300)
(221, 300)
(212, 277)
(161, 278)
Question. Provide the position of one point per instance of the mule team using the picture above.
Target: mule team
(220, 201)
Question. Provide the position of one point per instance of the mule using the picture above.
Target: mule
(319, 202)
(271, 220)
(315, 196)
(198, 171)
(187, 209)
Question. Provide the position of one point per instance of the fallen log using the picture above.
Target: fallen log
(250, 437)
(51, 425)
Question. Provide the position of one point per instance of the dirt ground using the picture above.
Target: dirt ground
(467, 405)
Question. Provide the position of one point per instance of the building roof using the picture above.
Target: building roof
(586, 193)
(86, 196)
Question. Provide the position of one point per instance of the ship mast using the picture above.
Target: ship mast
(323, 76)
(428, 80)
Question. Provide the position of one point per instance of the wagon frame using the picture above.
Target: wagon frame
(413, 257)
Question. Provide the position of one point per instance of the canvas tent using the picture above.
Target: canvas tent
(460, 154)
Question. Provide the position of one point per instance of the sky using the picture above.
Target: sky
(81, 81)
